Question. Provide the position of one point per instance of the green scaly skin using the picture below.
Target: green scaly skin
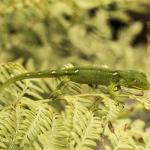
(129, 78)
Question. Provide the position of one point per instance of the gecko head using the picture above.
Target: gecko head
(135, 79)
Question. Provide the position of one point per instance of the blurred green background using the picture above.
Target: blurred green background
(52, 33)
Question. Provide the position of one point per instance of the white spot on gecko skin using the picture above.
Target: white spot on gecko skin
(39, 73)
(76, 71)
(53, 72)
(115, 73)
(28, 74)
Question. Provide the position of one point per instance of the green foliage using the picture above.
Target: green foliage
(69, 30)
(28, 121)
(56, 114)
(66, 120)
(21, 89)
(128, 135)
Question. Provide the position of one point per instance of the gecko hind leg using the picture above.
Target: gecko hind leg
(94, 86)
(119, 88)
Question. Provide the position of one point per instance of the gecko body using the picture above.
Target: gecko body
(88, 75)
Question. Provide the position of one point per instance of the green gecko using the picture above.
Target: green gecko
(84, 75)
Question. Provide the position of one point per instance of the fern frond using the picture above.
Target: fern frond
(145, 100)
(146, 138)
(56, 138)
(8, 128)
(67, 87)
(112, 108)
(37, 119)
(104, 106)
(84, 127)
(18, 90)
(127, 134)
(31, 122)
